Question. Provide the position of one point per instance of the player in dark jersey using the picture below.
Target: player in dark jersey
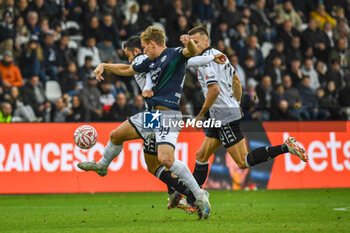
(167, 68)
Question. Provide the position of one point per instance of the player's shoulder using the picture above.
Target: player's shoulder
(139, 59)
(210, 51)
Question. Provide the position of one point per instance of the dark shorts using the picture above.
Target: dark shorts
(229, 134)
(150, 146)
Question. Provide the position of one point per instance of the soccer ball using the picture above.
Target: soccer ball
(85, 137)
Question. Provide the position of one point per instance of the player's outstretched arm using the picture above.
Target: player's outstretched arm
(198, 61)
(119, 69)
(147, 90)
(212, 95)
(190, 47)
(237, 88)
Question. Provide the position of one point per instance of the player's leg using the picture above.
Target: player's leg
(125, 132)
(176, 188)
(238, 150)
(208, 147)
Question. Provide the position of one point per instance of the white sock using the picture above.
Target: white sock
(111, 151)
(202, 163)
(184, 174)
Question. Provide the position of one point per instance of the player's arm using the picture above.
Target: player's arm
(236, 88)
(212, 95)
(147, 90)
(190, 47)
(198, 61)
(118, 69)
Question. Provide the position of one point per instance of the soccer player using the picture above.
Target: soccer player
(167, 68)
(222, 90)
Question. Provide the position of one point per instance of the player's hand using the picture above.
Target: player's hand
(220, 58)
(185, 39)
(198, 118)
(147, 93)
(99, 71)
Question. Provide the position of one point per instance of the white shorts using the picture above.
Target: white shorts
(166, 134)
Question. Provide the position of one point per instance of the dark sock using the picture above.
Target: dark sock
(200, 172)
(173, 183)
(263, 154)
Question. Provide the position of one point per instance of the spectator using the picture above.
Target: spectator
(31, 58)
(265, 94)
(175, 11)
(51, 58)
(278, 95)
(138, 105)
(250, 70)
(5, 112)
(107, 50)
(250, 101)
(335, 74)
(93, 29)
(131, 18)
(341, 54)
(308, 98)
(204, 11)
(120, 110)
(331, 98)
(90, 50)
(21, 112)
(114, 8)
(293, 50)
(221, 31)
(91, 96)
(302, 7)
(10, 73)
(321, 16)
(90, 10)
(344, 99)
(220, 45)
(323, 112)
(275, 71)
(32, 20)
(7, 32)
(308, 70)
(286, 33)
(107, 97)
(286, 12)
(313, 38)
(60, 112)
(145, 17)
(261, 20)
(39, 7)
(239, 37)
(109, 29)
(65, 53)
(181, 27)
(328, 31)
(229, 14)
(342, 30)
(86, 70)
(22, 8)
(282, 113)
(78, 113)
(251, 49)
(292, 96)
(33, 94)
(22, 33)
(278, 50)
(321, 69)
(68, 79)
(295, 72)
(239, 70)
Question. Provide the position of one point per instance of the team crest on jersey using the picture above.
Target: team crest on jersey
(163, 58)
(152, 65)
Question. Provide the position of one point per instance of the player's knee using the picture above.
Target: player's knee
(115, 138)
(166, 161)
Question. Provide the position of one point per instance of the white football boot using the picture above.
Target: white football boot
(184, 205)
(203, 205)
(93, 166)
(295, 149)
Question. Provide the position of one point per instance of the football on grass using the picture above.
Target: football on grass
(85, 137)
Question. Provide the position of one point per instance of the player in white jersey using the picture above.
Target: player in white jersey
(222, 90)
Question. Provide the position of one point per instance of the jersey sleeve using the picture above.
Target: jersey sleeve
(211, 76)
(141, 65)
(200, 60)
(149, 83)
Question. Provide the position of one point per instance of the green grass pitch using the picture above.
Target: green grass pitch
(315, 210)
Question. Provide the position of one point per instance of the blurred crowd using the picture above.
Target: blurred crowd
(292, 56)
